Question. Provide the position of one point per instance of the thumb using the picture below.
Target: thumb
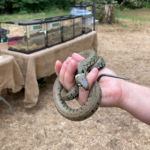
(91, 77)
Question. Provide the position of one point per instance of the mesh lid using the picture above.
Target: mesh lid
(53, 19)
(29, 22)
(68, 17)
(77, 16)
(65, 17)
(80, 5)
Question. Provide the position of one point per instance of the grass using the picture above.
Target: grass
(132, 18)
(137, 19)
(19, 17)
(135, 15)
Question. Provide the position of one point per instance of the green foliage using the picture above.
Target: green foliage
(146, 4)
(133, 3)
(128, 5)
(2, 7)
(29, 6)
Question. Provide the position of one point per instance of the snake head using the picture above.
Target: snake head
(82, 81)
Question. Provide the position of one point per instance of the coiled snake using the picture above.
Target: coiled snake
(60, 95)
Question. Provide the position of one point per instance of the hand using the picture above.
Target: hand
(111, 87)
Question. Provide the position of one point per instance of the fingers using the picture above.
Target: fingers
(66, 72)
(63, 71)
(58, 66)
(69, 79)
(77, 57)
(83, 95)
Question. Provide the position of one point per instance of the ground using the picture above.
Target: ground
(125, 51)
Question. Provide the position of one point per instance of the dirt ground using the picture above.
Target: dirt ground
(126, 52)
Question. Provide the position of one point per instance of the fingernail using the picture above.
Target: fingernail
(70, 64)
(56, 61)
(94, 70)
(67, 60)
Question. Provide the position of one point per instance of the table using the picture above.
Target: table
(41, 64)
(10, 76)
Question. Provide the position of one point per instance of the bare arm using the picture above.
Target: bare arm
(136, 100)
(133, 98)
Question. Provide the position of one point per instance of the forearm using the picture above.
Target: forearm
(136, 100)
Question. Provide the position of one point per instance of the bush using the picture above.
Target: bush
(128, 5)
(146, 4)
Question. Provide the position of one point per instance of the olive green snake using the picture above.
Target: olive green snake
(60, 95)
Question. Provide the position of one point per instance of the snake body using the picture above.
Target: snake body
(60, 95)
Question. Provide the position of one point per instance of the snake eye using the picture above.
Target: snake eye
(82, 71)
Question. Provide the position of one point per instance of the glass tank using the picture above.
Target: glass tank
(78, 26)
(86, 12)
(3, 33)
(54, 34)
(67, 28)
(27, 36)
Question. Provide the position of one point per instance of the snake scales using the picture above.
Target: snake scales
(60, 95)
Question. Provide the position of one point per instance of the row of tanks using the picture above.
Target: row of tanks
(34, 35)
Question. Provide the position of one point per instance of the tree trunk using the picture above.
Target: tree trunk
(108, 14)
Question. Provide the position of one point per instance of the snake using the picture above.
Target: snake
(60, 94)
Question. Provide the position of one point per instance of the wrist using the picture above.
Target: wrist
(135, 100)
(125, 94)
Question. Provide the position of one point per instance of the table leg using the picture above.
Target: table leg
(1, 98)
(37, 102)
(8, 91)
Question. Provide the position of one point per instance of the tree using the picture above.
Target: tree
(135, 3)
(2, 7)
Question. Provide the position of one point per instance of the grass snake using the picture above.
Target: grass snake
(60, 95)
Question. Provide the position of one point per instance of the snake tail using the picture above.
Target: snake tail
(113, 76)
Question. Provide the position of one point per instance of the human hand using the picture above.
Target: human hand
(111, 87)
